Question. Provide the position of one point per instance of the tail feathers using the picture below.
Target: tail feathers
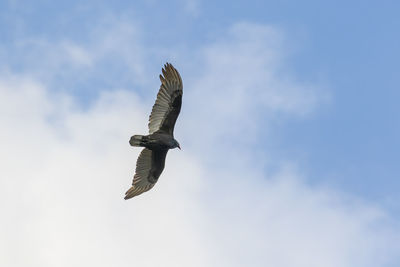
(136, 140)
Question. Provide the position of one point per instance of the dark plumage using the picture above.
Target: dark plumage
(151, 161)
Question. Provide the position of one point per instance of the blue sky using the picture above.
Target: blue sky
(311, 99)
(348, 47)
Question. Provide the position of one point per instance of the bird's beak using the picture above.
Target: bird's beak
(179, 147)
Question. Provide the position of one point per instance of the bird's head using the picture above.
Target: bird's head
(176, 144)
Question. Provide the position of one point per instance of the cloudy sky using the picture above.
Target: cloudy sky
(289, 130)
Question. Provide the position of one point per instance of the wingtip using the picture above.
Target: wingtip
(170, 72)
(128, 195)
(168, 65)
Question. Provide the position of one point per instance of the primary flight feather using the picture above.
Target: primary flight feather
(151, 161)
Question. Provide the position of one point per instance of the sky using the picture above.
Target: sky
(289, 133)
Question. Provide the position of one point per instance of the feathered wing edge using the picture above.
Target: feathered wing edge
(166, 105)
(149, 167)
(140, 182)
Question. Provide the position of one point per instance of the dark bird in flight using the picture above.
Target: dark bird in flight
(162, 120)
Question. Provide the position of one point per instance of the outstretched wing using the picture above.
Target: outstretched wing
(149, 166)
(168, 103)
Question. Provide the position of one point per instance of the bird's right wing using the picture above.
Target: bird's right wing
(149, 166)
(168, 103)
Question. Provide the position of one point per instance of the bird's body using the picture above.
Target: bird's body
(151, 161)
(157, 140)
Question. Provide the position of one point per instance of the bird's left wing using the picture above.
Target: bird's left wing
(149, 166)
(168, 103)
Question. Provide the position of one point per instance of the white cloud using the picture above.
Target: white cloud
(112, 53)
(65, 171)
(243, 81)
(192, 7)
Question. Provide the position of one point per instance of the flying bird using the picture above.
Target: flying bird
(160, 139)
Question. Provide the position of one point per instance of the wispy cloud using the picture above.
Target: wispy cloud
(192, 7)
